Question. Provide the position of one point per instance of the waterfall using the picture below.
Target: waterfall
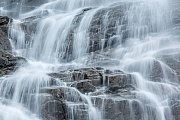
(136, 40)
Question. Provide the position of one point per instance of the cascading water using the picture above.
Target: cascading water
(61, 40)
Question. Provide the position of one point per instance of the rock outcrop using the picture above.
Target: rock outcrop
(90, 81)
(117, 86)
(101, 36)
(8, 63)
(5, 44)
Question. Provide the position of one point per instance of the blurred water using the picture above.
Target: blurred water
(151, 36)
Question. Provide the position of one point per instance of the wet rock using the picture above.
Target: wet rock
(85, 86)
(121, 89)
(80, 81)
(77, 75)
(70, 37)
(89, 79)
(104, 27)
(95, 59)
(63, 93)
(156, 73)
(117, 79)
(64, 99)
(102, 32)
(175, 12)
(29, 28)
(176, 110)
(56, 93)
(9, 63)
(174, 66)
(35, 2)
(78, 112)
(5, 44)
(174, 105)
(25, 2)
(54, 110)
(119, 109)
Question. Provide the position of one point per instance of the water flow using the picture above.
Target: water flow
(149, 39)
(143, 52)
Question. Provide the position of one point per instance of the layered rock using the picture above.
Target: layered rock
(117, 85)
(90, 81)
(9, 63)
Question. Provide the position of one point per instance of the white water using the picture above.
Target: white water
(150, 38)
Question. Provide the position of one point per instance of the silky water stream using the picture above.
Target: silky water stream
(151, 36)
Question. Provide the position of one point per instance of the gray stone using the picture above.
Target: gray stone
(5, 44)
(54, 110)
(8, 63)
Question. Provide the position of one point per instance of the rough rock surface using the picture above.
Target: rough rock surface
(101, 36)
(88, 80)
(5, 44)
(104, 27)
(8, 63)
(117, 84)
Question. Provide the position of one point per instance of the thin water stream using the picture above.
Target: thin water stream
(150, 37)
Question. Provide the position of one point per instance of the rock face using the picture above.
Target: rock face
(176, 12)
(116, 84)
(4, 42)
(104, 27)
(54, 110)
(102, 34)
(89, 80)
(8, 63)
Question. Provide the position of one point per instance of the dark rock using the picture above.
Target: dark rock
(64, 99)
(35, 2)
(102, 34)
(29, 28)
(119, 109)
(90, 74)
(174, 105)
(63, 93)
(95, 59)
(84, 86)
(176, 110)
(54, 110)
(172, 61)
(5, 44)
(156, 73)
(70, 37)
(117, 79)
(104, 26)
(9, 63)
(175, 12)
(89, 79)
(78, 112)
(121, 89)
